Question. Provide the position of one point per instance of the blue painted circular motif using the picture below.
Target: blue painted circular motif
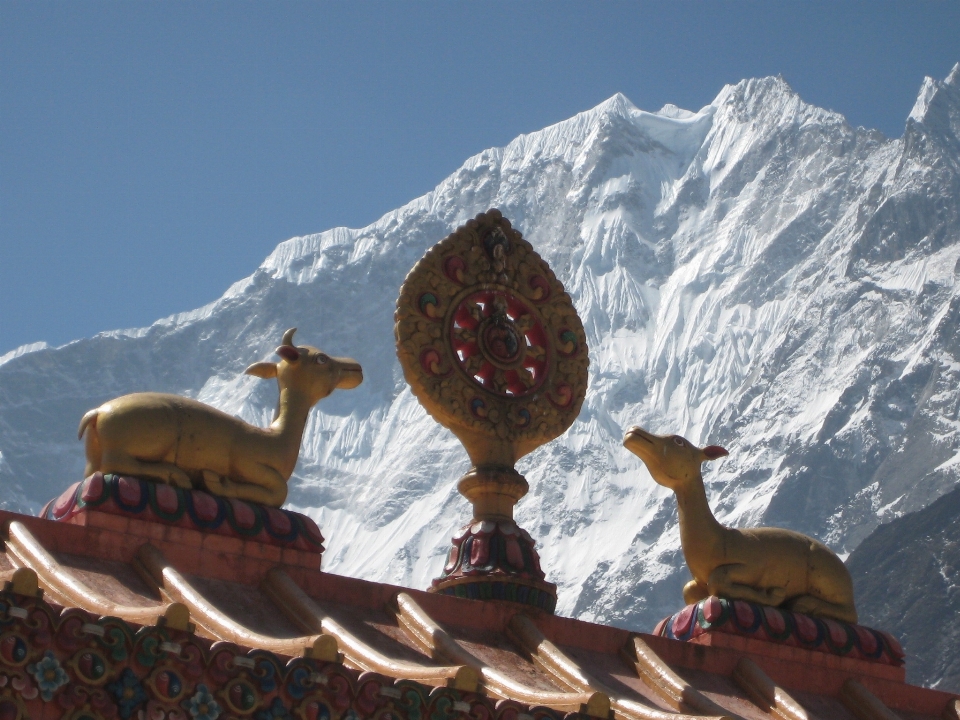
(168, 684)
(13, 650)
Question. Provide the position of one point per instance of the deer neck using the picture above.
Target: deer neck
(287, 428)
(701, 536)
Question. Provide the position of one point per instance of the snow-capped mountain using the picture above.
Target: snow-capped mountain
(757, 274)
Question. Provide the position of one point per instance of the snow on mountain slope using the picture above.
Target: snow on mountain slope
(758, 274)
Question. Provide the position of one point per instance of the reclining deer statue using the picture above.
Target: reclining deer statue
(176, 440)
(769, 566)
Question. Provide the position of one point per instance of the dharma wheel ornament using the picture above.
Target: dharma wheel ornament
(494, 350)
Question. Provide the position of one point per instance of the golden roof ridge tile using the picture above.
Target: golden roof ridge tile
(434, 639)
(672, 688)
(155, 567)
(25, 551)
(309, 615)
(567, 671)
(766, 693)
(863, 703)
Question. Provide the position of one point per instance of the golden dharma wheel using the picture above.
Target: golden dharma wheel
(490, 343)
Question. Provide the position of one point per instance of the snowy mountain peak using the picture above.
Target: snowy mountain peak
(672, 111)
(954, 77)
(757, 274)
(617, 104)
(922, 104)
(938, 106)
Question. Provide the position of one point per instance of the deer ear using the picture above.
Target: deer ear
(265, 370)
(714, 451)
(288, 353)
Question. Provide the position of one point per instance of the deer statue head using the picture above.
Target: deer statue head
(673, 461)
(309, 371)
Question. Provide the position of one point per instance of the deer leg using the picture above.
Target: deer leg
(123, 464)
(225, 487)
(723, 582)
(829, 589)
(92, 451)
(812, 605)
(695, 591)
(217, 484)
(257, 483)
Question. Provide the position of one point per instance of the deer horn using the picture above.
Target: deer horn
(288, 337)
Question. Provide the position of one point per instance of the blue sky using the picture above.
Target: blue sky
(153, 153)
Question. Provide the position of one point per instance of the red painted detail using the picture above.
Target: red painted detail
(453, 268)
(712, 609)
(129, 489)
(205, 506)
(744, 613)
(278, 521)
(868, 641)
(64, 503)
(92, 488)
(514, 556)
(774, 619)
(485, 374)
(514, 383)
(313, 530)
(480, 549)
(681, 624)
(539, 284)
(894, 645)
(806, 628)
(562, 396)
(242, 513)
(288, 353)
(452, 558)
(837, 634)
(464, 319)
(167, 499)
(312, 711)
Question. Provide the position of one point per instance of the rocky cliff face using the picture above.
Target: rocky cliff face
(906, 576)
(758, 274)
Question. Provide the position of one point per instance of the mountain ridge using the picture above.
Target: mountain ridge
(758, 274)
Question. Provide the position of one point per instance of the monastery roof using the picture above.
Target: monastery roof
(211, 592)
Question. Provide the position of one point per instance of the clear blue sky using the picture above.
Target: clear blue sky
(151, 153)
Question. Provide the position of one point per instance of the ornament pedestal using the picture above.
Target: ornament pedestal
(786, 635)
(162, 514)
(492, 558)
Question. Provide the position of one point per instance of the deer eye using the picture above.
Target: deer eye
(322, 359)
(678, 441)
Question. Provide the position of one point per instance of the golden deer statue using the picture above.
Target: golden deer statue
(769, 566)
(176, 440)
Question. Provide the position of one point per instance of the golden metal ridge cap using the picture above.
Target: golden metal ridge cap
(434, 639)
(766, 694)
(672, 688)
(952, 710)
(173, 585)
(26, 551)
(864, 704)
(568, 672)
(309, 615)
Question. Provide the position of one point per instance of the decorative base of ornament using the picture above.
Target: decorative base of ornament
(101, 496)
(542, 596)
(496, 560)
(721, 617)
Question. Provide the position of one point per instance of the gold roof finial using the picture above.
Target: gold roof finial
(494, 350)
